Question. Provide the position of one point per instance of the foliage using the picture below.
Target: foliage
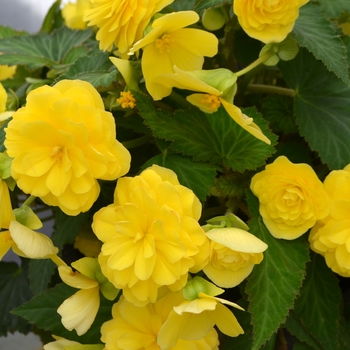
(300, 103)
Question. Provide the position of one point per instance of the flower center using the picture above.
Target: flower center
(57, 154)
(212, 101)
(126, 100)
(8, 237)
(164, 43)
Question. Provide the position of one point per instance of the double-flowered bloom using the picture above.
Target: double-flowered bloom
(268, 21)
(121, 23)
(62, 141)
(151, 235)
(330, 236)
(291, 196)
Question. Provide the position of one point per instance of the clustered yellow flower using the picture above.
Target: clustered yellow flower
(268, 21)
(121, 22)
(291, 196)
(62, 141)
(151, 235)
(330, 236)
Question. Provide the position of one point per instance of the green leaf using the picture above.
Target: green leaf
(42, 49)
(182, 5)
(295, 328)
(334, 8)
(279, 111)
(96, 69)
(301, 346)
(14, 291)
(253, 203)
(232, 184)
(199, 177)
(7, 32)
(315, 32)
(213, 138)
(321, 107)
(204, 4)
(274, 283)
(53, 18)
(42, 311)
(317, 307)
(40, 273)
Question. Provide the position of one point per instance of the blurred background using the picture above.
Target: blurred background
(24, 14)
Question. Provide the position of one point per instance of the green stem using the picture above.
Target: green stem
(260, 60)
(137, 142)
(29, 200)
(271, 89)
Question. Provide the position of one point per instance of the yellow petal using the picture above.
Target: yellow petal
(186, 81)
(5, 243)
(6, 214)
(237, 240)
(196, 41)
(153, 64)
(245, 122)
(227, 278)
(76, 279)
(33, 244)
(187, 326)
(176, 20)
(79, 311)
(196, 306)
(127, 71)
(226, 321)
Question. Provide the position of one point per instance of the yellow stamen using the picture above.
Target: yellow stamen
(57, 154)
(8, 237)
(164, 43)
(212, 101)
(127, 100)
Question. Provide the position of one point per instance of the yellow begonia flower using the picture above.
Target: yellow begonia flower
(62, 141)
(7, 72)
(330, 237)
(267, 21)
(122, 22)
(291, 197)
(233, 254)
(73, 13)
(193, 319)
(79, 311)
(169, 44)
(151, 235)
(213, 93)
(135, 327)
(64, 344)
